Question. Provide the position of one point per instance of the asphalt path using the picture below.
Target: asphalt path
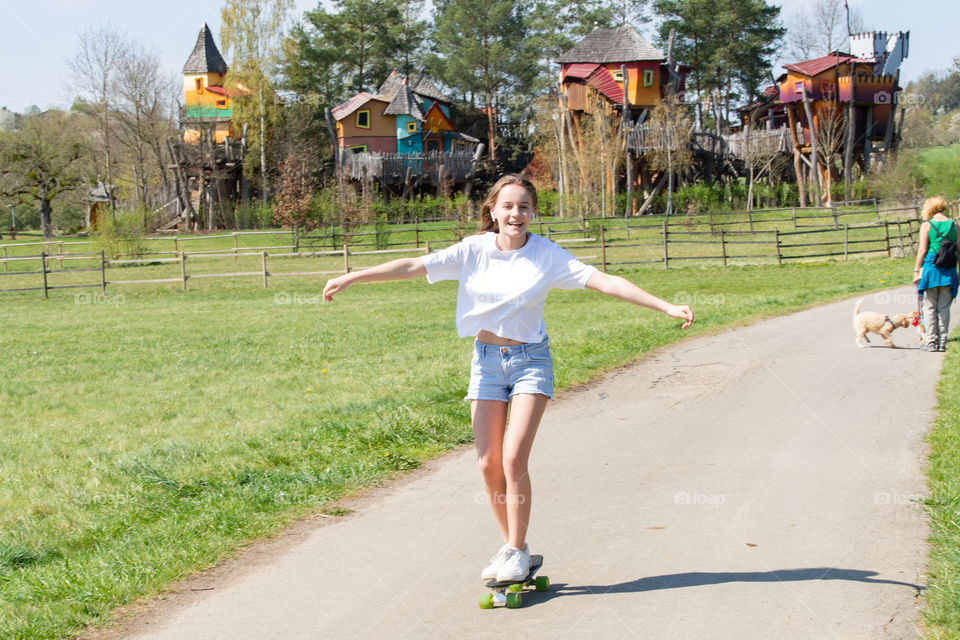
(762, 482)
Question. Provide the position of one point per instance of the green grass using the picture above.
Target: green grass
(943, 470)
(149, 432)
(940, 168)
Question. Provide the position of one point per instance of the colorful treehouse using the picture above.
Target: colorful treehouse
(402, 135)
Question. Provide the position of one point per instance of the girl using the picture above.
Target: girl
(938, 285)
(504, 275)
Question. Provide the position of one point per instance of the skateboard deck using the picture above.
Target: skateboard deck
(510, 592)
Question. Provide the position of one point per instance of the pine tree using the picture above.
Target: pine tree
(481, 51)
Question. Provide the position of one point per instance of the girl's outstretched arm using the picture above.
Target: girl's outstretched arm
(623, 289)
(400, 269)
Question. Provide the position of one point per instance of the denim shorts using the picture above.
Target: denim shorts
(497, 373)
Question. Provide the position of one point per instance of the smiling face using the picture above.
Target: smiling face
(513, 211)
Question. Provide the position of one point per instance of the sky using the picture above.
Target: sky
(39, 37)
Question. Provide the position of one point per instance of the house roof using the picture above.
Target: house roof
(602, 46)
(581, 70)
(423, 86)
(404, 103)
(819, 65)
(205, 57)
(344, 109)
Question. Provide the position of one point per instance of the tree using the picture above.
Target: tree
(480, 49)
(730, 43)
(824, 30)
(93, 70)
(252, 34)
(355, 46)
(46, 158)
(144, 98)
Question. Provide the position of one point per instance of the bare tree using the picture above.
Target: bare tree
(145, 96)
(823, 29)
(93, 71)
(831, 134)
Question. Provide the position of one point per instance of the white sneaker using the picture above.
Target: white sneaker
(515, 566)
(490, 573)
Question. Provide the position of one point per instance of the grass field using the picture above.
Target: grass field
(150, 431)
(943, 470)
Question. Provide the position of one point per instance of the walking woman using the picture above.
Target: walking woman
(938, 285)
(504, 275)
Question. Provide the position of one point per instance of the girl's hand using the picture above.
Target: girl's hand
(681, 313)
(335, 285)
(916, 277)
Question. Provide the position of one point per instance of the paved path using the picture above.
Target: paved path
(760, 483)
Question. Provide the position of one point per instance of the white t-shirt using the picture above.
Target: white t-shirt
(503, 291)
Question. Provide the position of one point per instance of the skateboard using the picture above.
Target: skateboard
(510, 592)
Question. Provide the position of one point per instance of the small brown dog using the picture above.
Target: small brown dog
(873, 322)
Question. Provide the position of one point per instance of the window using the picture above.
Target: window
(798, 86)
(411, 127)
(828, 89)
(648, 77)
(617, 75)
(221, 104)
(363, 119)
(360, 148)
(434, 145)
(199, 84)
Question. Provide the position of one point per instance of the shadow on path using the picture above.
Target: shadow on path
(700, 579)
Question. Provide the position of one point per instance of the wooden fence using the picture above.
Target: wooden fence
(611, 243)
(45, 270)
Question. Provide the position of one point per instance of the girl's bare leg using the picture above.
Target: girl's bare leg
(526, 410)
(489, 418)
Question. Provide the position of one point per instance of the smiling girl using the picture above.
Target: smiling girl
(504, 275)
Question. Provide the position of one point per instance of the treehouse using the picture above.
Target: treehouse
(608, 62)
(206, 103)
(403, 134)
(207, 162)
(618, 77)
(823, 96)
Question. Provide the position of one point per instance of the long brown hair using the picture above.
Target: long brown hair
(487, 221)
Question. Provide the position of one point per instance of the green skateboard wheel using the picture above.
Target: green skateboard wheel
(486, 601)
(514, 600)
(516, 587)
(542, 583)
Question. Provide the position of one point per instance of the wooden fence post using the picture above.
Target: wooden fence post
(794, 218)
(346, 259)
(60, 252)
(723, 247)
(43, 269)
(416, 231)
(886, 237)
(236, 258)
(263, 263)
(603, 250)
(103, 273)
(183, 270)
(666, 258)
(176, 244)
(776, 242)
